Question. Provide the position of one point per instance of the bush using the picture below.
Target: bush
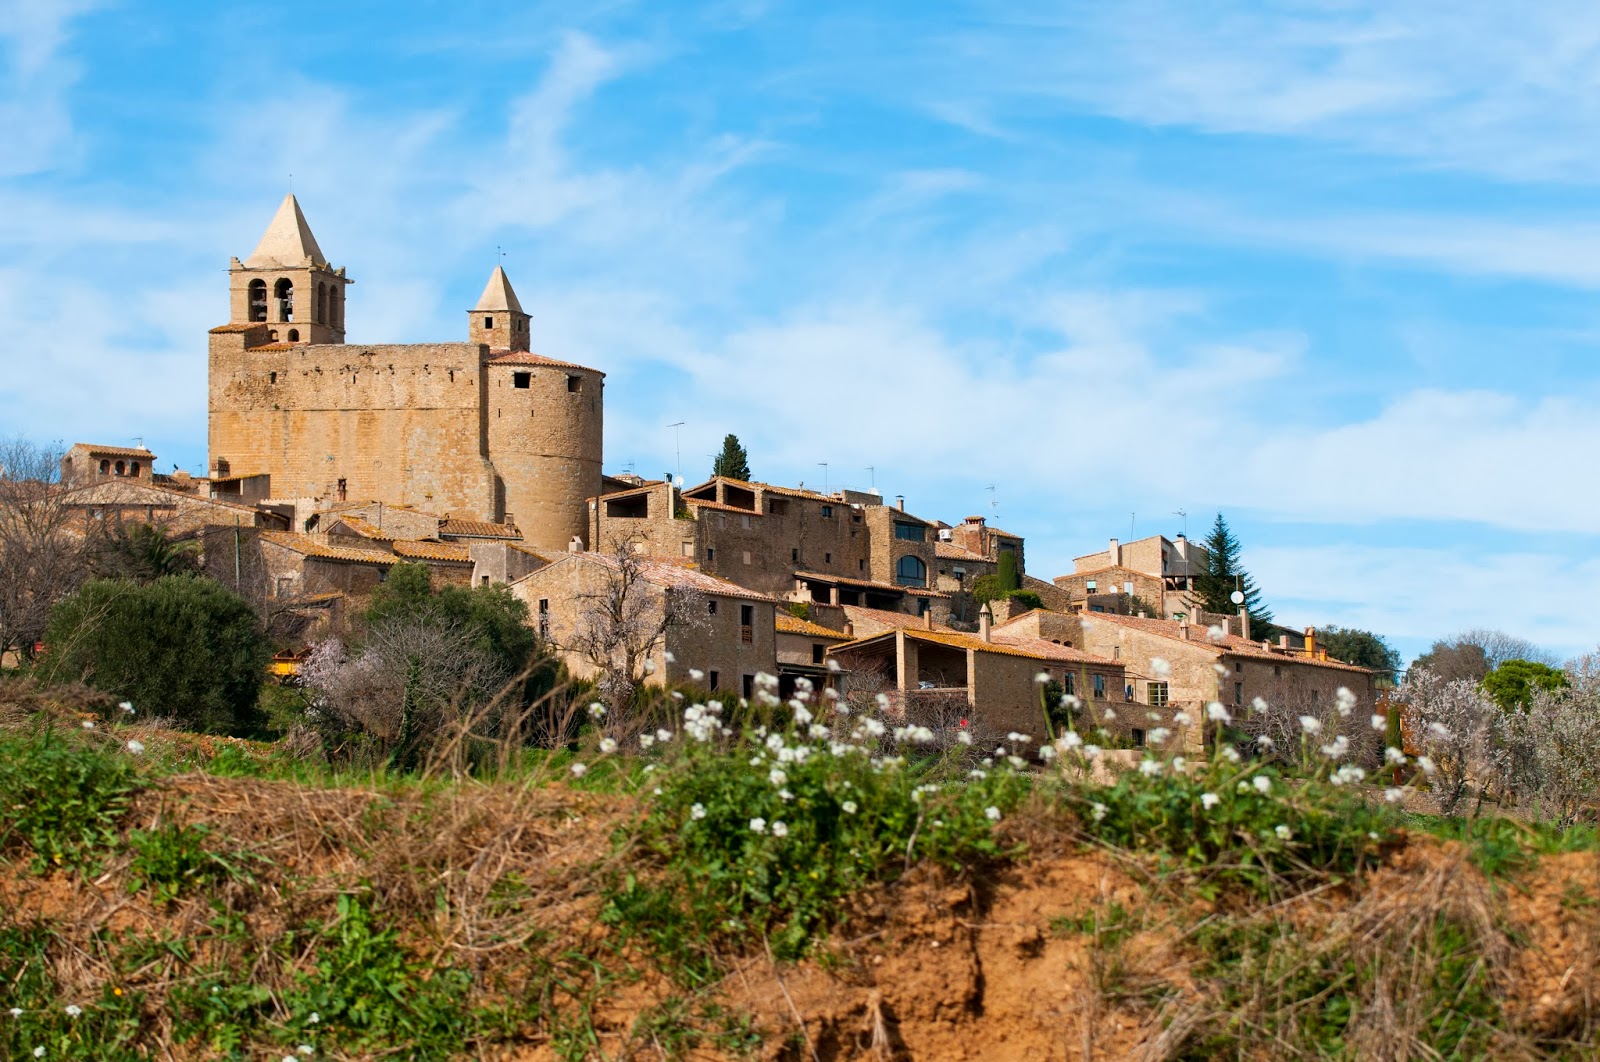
(180, 648)
(1028, 599)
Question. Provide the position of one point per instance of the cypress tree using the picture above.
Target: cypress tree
(732, 462)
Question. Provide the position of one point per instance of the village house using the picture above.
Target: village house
(1151, 573)
(591, 606)
(802, 649)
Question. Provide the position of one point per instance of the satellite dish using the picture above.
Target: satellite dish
(1236, 597)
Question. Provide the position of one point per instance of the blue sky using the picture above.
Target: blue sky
(1329, 268)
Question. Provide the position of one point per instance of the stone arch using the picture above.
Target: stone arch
(258, 300)
(910, 571)
(105, 466)
(322, 304)
(283, 291)
(294, 335)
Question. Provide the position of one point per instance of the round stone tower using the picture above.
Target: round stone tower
(544, 424)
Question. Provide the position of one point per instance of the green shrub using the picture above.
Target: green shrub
(182, 648)
(1027, 599)
(61, 798)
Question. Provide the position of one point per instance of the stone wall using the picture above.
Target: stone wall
(544, 441)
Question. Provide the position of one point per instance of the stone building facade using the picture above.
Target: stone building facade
(1157, 571)
(482, 429)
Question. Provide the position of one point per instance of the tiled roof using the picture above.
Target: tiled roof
(702, 503)
(235, 477)
(438, 551)
(310, 547)
(116, 451)
(1200, 638)
(823, 577)
(856, 613)
(530, 551)
(454, 527)
(364, 529)
(222, 329)
(951, 639)
(1048, 650)
(951, 551)
(526, 357)
(793, 492)
(788, 623)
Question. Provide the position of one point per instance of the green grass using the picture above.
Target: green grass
(62, 801)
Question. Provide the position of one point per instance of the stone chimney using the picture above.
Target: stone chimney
(849, 629)
(1283, 642)
(1183, 627)
(1244, 623)
(900, 502)
(927, 620)
(1116, 553)
(575, 545)
(985, 624)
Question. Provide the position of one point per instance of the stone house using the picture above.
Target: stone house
(181, 514)
(1155, 570)
(802, 649)
(88, 463)
(679, 618)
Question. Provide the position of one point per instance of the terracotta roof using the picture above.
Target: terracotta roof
(116, 451)
(952, 639)
(788, 623)
(951, 551)
(423, 549)
(701, 503)
(220, 329)
(793, 492)
(1046, 649)
(530, 551)
(235, 477)
(900, 620)
(366, 530)
(1200, 638)
(454, 527)
(918, 591)
(310, 547)
(527, 357)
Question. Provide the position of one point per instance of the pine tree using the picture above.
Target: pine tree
(1222, 575)
(732, 462)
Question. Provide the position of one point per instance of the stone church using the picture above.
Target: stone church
(483, 429)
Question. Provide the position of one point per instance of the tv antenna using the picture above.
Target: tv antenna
(824, 465)
(1184, 514)
(994, 504)
(677, 444)
(872, 476)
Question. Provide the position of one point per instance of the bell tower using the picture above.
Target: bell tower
(287, 284)
(498, 320)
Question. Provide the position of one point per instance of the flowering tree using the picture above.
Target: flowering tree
(1450, 723)
(41, 560)
(1551, 752)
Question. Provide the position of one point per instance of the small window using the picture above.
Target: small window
(748, 686)
(827, 512)
(272, 377)
(1138, 738)
(342, 490)
(521, 380)
(687, 549)
(483, 580)
(1158, 694)
(711, 607)
(922, 606)
(1127, 692)
(1238, 666)
(135, 469)
(1067, 683)
(711, 554)
(1099, 686)
(747, 556)
(794, 556)
(713, 679)
(817, 651)
(910, 532)
(861, 565)
(746, 521)
(1314, 696)
(488, 322)
(121, 468)
(827, 558)
(1277, 670)
(294, 335)
(747, 615)
(1238, 693)
(574, 384)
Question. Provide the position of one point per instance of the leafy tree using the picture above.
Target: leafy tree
(1362, 648)
(141, 552)
(733, 461)
(1028, 599)
(1513, 682)
(1223, 574)
(178, 647)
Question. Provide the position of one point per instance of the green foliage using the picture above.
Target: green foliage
(171, 860)
(800, 609)
(732, 462)
(986, 588)
(1362, 648)
(1223, 574)
(495, 619)
(1006, 573)
(1512, 683)
(745, 854)
(368, 992)
(141, 552)
(181, 648)
(1027, 599)
(61, 798)
(106, 1027)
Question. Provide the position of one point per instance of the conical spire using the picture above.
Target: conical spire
(287, 241)
(497, 294)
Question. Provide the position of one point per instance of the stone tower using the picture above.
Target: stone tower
(287, 283)
(498, 321)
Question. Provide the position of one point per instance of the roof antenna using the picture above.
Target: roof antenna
(1185, 514)
(824, 465)
(872, 472)
(994, 504)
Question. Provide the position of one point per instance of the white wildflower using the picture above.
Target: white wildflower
(1182, 718)
(992, 813)
(1017, 762)
(1179, 764)
(306, 1049)
(758, 825)
(669, 657)
(135, 747)
(1042, 677)
(777, 777)
(38, 1052)
(1426, 763)
(646, 740)
(697, 811)
(607, 746)
(1262, 783)
(802, 714)
(579, 770)
(1379, 722)
(663, 735)
(785, 795)
(1047, 753)
(88, 724)
(596, 709)
(1097, 811)
(126, 706)
(16, 1012)
(1020, 739)
(779, 829)
(1266, 743)
(1217, 713)
(817, 732)
(1091, 751)
(1217, 633)
(73, 1010)
(833, 665)
(1230, 754)
(883, 701)
(1344, 701)
(1222, 672)
(1394, 794)
(1283, 832)
(1311, 724)
(1258, 704)
(1149, 768)
(964, 736)
(1209, 800)
(1160, 668)
(1158, 735)
(695, 674)
(1069, 741)
(1439, 730)
(848, 807)
(1336, 749)
(1394, 755)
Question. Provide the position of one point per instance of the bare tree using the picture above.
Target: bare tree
(1450, 722)
(41, 557)
(1474, 653)
(622, 621)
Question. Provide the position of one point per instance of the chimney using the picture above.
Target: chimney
(1283, 642)
(1311, 641)
(1183, 627)
(1181, 545)
(849, 629)
(985, 623)
(1244, 623)
(927, 620)
(900, 502)
(575, 545)
(1116, 553)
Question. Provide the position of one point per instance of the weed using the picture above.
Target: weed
(170, 860)
(63, 799)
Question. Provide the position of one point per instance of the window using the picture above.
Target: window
(1127, 692)
(342, 490)
(748, 685)
(861, 565)
(1099, 685)
(134, 469)
(521, 380)
(105, 467)
(121, 468)
(1314, 696)
(488, 322)
(745, 522)
(778, 506)
(922, 606)
(711, 607)
(1067, 683)
(322, 303)
(283, 291)
(258, 300)
(574, 384)
(1238, 693)
(1238, 666)
(272, 377)
(910, 571)
(285, 586)
(827, 512)
(544, 617)
(483, 580)
(817, 650)
(747, 615)
(910, 532)
(1138, 738)
(711, 554)
(794, 556)
(1158, 694)
(294, 335)
(686, 548)
(1277, 670)
(827, 558)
